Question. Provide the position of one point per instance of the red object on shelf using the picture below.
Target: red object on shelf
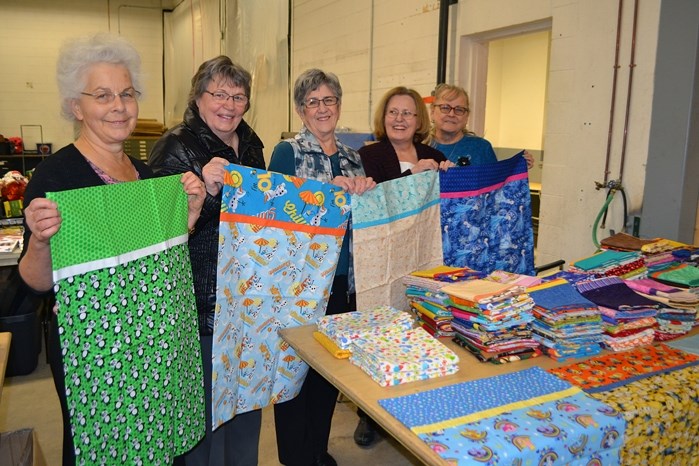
(17, 143)
(12, 186)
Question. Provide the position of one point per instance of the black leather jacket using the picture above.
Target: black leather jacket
(188, 147)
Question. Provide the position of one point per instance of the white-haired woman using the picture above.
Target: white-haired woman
(99, 84)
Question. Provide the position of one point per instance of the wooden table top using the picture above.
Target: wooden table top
(365, 393)
(5, 338)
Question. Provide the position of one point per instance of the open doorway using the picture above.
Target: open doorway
(505, 73)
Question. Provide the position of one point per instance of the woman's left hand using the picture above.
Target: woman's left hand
(529, 158)
(196, 193)
(356, 185)
(444, 166)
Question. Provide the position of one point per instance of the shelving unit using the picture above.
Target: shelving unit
(20, 162)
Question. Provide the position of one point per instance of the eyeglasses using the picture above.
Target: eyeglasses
(107, 96)
(458, 110)
(220, 96)
(406, 114)
(329, 101)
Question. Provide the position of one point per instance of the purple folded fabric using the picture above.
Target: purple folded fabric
(612, 292)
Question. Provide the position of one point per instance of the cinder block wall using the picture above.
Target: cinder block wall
(31, 34)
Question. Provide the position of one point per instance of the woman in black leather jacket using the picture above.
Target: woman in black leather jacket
(212, 135)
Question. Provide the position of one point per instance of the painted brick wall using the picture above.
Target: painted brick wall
(31, 34)
(371, 45)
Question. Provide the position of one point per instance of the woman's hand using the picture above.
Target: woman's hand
(529, 158)
(356, 185)
(424, 165)
(43, 219)
(213, 175)
(445, 165)
(196, 193)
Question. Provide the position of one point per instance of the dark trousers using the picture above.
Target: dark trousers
(56, 363)
(233, 444)
(303, 423)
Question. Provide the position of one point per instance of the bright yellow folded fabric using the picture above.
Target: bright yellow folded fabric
(330, 345)
(430, 273)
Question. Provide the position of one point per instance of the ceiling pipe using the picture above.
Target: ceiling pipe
(611, 108)
(632, 65)
(442, 39)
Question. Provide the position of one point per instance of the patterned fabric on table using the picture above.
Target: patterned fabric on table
(486, 217)
(662, 418)
(613, 293)
(128, 323)
(526, 417)
(606, 372)
(400, 356)
(567, 325)
(396, 223)
(345, 328)
(685, 275)
(604, 261)
(280, 239)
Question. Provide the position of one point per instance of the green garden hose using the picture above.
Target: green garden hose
(599, 216)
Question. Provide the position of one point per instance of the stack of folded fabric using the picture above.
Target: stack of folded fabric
(660, 253)
(570, 277)
(341, 330)
(622, 312)
(678, 312)
(510, 278)
(656, 252)
(491, 320)
(426, 300)
(429, 305)
(608, 263)
(566, 323)
(683, 275)
(625, 242)
(397, 357)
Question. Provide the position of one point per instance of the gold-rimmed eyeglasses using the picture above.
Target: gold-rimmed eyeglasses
(106, 96)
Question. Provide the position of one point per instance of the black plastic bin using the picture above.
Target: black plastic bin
(20, 311)
(25, 345)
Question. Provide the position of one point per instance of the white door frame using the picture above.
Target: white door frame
(472, 68)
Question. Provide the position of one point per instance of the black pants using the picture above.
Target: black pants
(303, 423)
(236, 442)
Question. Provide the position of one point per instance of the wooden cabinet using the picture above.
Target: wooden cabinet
(139, 147)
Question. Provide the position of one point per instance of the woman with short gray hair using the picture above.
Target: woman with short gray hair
(303, 423)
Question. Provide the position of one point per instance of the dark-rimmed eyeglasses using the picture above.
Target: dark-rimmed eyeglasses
(107, 96)
(220, 96)
(329, 101)
(458, 110)
(406, 114)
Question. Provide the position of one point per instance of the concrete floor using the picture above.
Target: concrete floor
(31, 401)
